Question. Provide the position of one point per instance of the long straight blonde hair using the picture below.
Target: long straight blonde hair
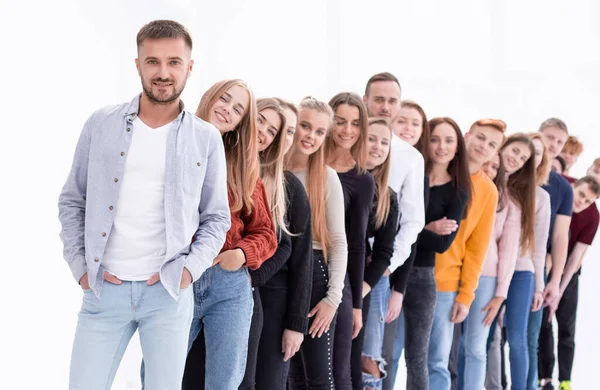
(241, 148)
(381, 174)
(316, 177)
(271, 167)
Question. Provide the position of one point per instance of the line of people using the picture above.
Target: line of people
(258, 244)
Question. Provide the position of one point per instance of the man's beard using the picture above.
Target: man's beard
(157, 100)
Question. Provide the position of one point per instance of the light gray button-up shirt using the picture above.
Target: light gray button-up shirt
(197, 214)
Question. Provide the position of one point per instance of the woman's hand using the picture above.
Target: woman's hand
(394, 306)
(492, 308)
(231, 260)
(443, 226)
(323, 313)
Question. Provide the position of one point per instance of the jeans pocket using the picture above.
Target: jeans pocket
(229, 271)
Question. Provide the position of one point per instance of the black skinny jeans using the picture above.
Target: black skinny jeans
(342, 345)
(566, 316)
(311, 367)
(271, 370)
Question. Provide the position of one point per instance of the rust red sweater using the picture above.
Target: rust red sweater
(253, 233)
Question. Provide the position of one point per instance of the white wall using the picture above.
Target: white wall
(520, 61)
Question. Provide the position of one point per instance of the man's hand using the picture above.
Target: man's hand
(459, 313)
(323, 313)
(231, 260)
(83, 282)
(552, 310)
(538, 301)
(443, 226)
(492, 309)
(551, 292)
(394, 306)
(186, 279)
(110, 278)
(357, 322)
(290, 343)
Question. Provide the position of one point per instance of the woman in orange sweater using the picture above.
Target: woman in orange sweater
(223, 296)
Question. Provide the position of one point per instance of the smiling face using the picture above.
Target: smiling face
(164, 66)
(482, 143)
(311, 130)
(594, 171)
(290, 128)
(570, 157)
(515, 155)
(346, 126)
(378, 145)
(383, 99)
(268, 124)
(583, 197)
(443, 144)
(492, 167)
(554, 139)
(539, 151)
(408, 125)
(229, 109)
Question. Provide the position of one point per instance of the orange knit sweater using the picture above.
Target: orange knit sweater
(459, 268)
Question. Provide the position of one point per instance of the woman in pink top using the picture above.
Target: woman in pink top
(514, 224)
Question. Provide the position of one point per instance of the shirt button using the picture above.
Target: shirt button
(103, 234)
(122, 153)
(116, 180)
(110, 208)
(198, 163)
(128, 129)
(96, 260)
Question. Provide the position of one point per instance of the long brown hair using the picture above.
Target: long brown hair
(422, 144)
(500, 182)
(241, 148)
(542, 172)
(316, 177)
(381, 174)
(458, 168)
(271, 166)
(359, 149)
(521, 187)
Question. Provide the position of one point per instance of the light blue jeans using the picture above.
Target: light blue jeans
(440, 342)
(106, 325)
(472, 354)
(223, 305)
(374, 327)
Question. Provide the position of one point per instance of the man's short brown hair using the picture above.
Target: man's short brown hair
(495, 123)
(164, 29)
(554, 122)
(383, 76)
(573, 145)
(593, 184)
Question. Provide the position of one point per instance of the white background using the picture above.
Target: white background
(62, 59)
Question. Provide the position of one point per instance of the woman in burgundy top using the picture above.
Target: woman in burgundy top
(223, 295)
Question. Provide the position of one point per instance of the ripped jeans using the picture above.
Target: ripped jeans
(374, 327)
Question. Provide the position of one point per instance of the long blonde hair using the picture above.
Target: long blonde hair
(241, 148)
(316, 177)
(381, 174)
(542, 173)
(271, 167)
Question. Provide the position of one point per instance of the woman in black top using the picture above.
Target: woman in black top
(285, 285)
(449, 196)
(382, 228)
(346, 153)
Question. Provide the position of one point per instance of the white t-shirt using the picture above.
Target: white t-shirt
(137, 243)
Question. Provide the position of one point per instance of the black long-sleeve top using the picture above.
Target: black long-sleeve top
(399, 278)
(294, 270)
(383, 241)
(358, 197)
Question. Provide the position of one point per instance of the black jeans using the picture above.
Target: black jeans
(453, 362)
(311, 367)
(271, 370)
(357, 346)
(566, 315)
(342, 345)
(418, 308)
(194, 373)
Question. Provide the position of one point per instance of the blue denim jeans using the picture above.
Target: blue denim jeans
(534, 325)
(106, 324)
(374, 327)
(440, 342)
(223, 311)
(518, 307)
(472, 354)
